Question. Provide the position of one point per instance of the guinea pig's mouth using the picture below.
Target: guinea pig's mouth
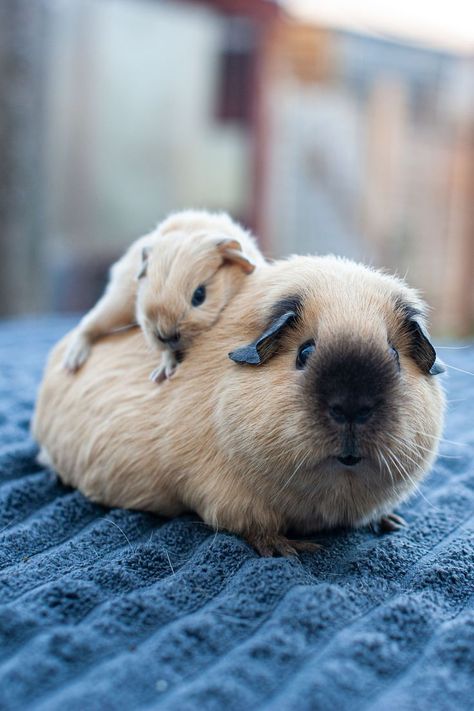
(349, 460)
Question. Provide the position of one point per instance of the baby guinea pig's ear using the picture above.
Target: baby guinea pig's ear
(421, 348)
(231, 251)
(266, 345)
(144, 265)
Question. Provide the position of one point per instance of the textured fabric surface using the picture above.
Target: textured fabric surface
(111, 609)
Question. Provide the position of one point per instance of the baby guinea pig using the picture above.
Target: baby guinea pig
(174, 283)
(327, 412)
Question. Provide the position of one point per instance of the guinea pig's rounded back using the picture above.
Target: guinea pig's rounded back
(340, 406)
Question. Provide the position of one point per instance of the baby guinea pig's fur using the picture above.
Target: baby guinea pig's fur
(196, 254)
(327, 412)
(174, 282)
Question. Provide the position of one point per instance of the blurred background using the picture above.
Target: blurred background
(324, 125)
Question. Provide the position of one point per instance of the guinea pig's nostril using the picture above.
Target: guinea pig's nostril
(338, 414)
(363, 414)
(171, 339)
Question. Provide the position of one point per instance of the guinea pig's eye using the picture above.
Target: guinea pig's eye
(199, 296)
(394, 353)
(304, 353)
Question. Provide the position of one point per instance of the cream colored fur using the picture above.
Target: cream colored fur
(186, 250)
(235, 442)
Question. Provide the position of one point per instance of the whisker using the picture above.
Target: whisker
(120, 529)
(391, 457)
(451, 348)
(379, 461)
(390, 473)
(7, 526)
(413, 483)
(169, 561)
(286, 484)
(387, 466)
(215, 534)
(441, 439)
(402, 443)
(459, 370)
(417, 464)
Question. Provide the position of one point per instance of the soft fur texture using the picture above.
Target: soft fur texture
(252, 448)
(153, 285)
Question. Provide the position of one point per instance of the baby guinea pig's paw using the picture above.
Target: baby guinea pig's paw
(158, 375)
(166, 368)
(170, 369)
(268, 545)
(77, 353)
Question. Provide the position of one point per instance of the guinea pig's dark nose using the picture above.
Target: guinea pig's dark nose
(353, 383)
(350, 411)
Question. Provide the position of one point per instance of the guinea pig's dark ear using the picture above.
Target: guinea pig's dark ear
(422, 350)
(265, 346)
(231, 251)
(144, 265)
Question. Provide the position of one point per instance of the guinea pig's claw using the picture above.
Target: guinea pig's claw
(269, 546)
(391, 522)
(158, 374)
(170, 370)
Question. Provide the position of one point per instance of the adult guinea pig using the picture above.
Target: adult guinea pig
(313, 402)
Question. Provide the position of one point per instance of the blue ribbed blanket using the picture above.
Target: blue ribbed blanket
(112, 609)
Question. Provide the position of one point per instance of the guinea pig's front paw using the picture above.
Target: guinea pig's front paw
(77, 353)
(269, 545)
(158, 374)
(170, 370)
(166, 368)
(391, 522)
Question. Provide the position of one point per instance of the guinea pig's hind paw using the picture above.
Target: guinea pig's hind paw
(305, 546)
(391, 522)
(268, 546)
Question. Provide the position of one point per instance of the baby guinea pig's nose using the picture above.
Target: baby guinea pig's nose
(169, 339)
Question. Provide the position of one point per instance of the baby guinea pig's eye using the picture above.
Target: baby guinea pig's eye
(304, 352)
(199, 296)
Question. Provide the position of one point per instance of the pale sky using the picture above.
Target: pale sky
(447, 24)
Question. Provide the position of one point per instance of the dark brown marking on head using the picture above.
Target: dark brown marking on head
(292, 303)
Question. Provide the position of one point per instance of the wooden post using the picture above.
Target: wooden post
(386, 135)
(457, 314)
